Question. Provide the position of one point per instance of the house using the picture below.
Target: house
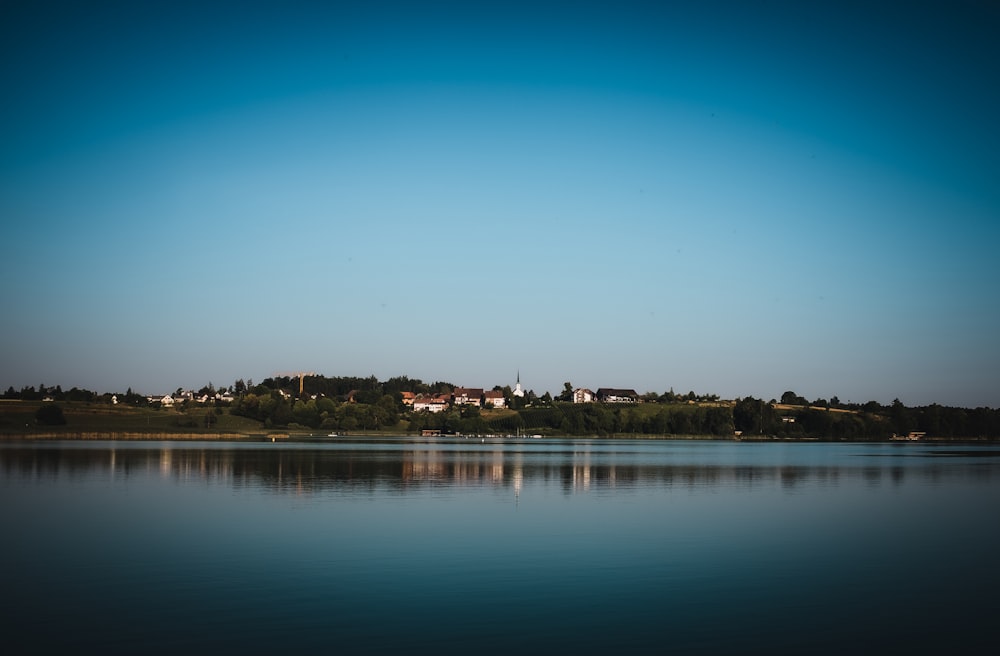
(167, 401)
(495, 399)
(408, 397)
(468, 396)
(437, 403)
(612, 395)
(583, 395)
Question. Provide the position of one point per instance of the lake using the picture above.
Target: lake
(449, 545)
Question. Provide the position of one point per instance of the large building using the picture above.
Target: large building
(612, 395)
(468, 396)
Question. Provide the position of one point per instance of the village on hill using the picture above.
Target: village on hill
(304, 402)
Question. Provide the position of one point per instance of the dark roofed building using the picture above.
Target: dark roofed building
(468, 396)
(612, 395)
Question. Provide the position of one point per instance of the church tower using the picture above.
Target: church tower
(517, 388)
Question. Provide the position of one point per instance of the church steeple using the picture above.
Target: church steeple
(517, 388)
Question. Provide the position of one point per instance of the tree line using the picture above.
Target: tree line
(349, 403)
(868, 421)
(364, 403)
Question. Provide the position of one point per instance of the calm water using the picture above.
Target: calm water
(530, 546)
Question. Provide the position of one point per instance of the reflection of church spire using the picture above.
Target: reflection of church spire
(517, 388)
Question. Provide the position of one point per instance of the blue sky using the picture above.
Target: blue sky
(734, 198)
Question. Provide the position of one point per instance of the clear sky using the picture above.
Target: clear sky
(738, 198)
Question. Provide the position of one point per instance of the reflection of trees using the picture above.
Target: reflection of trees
(402, 467)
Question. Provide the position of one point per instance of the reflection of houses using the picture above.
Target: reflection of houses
(612, 395)
(583, 395)
(437, 403)
(468, 396)
(495, 399)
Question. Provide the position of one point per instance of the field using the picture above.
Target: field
(17, 419)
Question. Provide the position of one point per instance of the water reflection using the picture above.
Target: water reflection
(574, 467)
(612, 547)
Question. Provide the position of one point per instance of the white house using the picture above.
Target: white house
(430, 404)
(583, 395)
(495, 399)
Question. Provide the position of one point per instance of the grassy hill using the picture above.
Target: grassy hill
(17, 418)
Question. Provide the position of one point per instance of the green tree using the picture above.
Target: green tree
(791, 398)
(50, 414)
(817, 423)
(325, 404)
(903, 419)
(748, 415)
(681, 422)
(282, 415)
(386, 410)
(718, 421)
(755, 417)
(306, 413)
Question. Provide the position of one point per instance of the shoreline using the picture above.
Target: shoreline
(140, 436)
(131, 436)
